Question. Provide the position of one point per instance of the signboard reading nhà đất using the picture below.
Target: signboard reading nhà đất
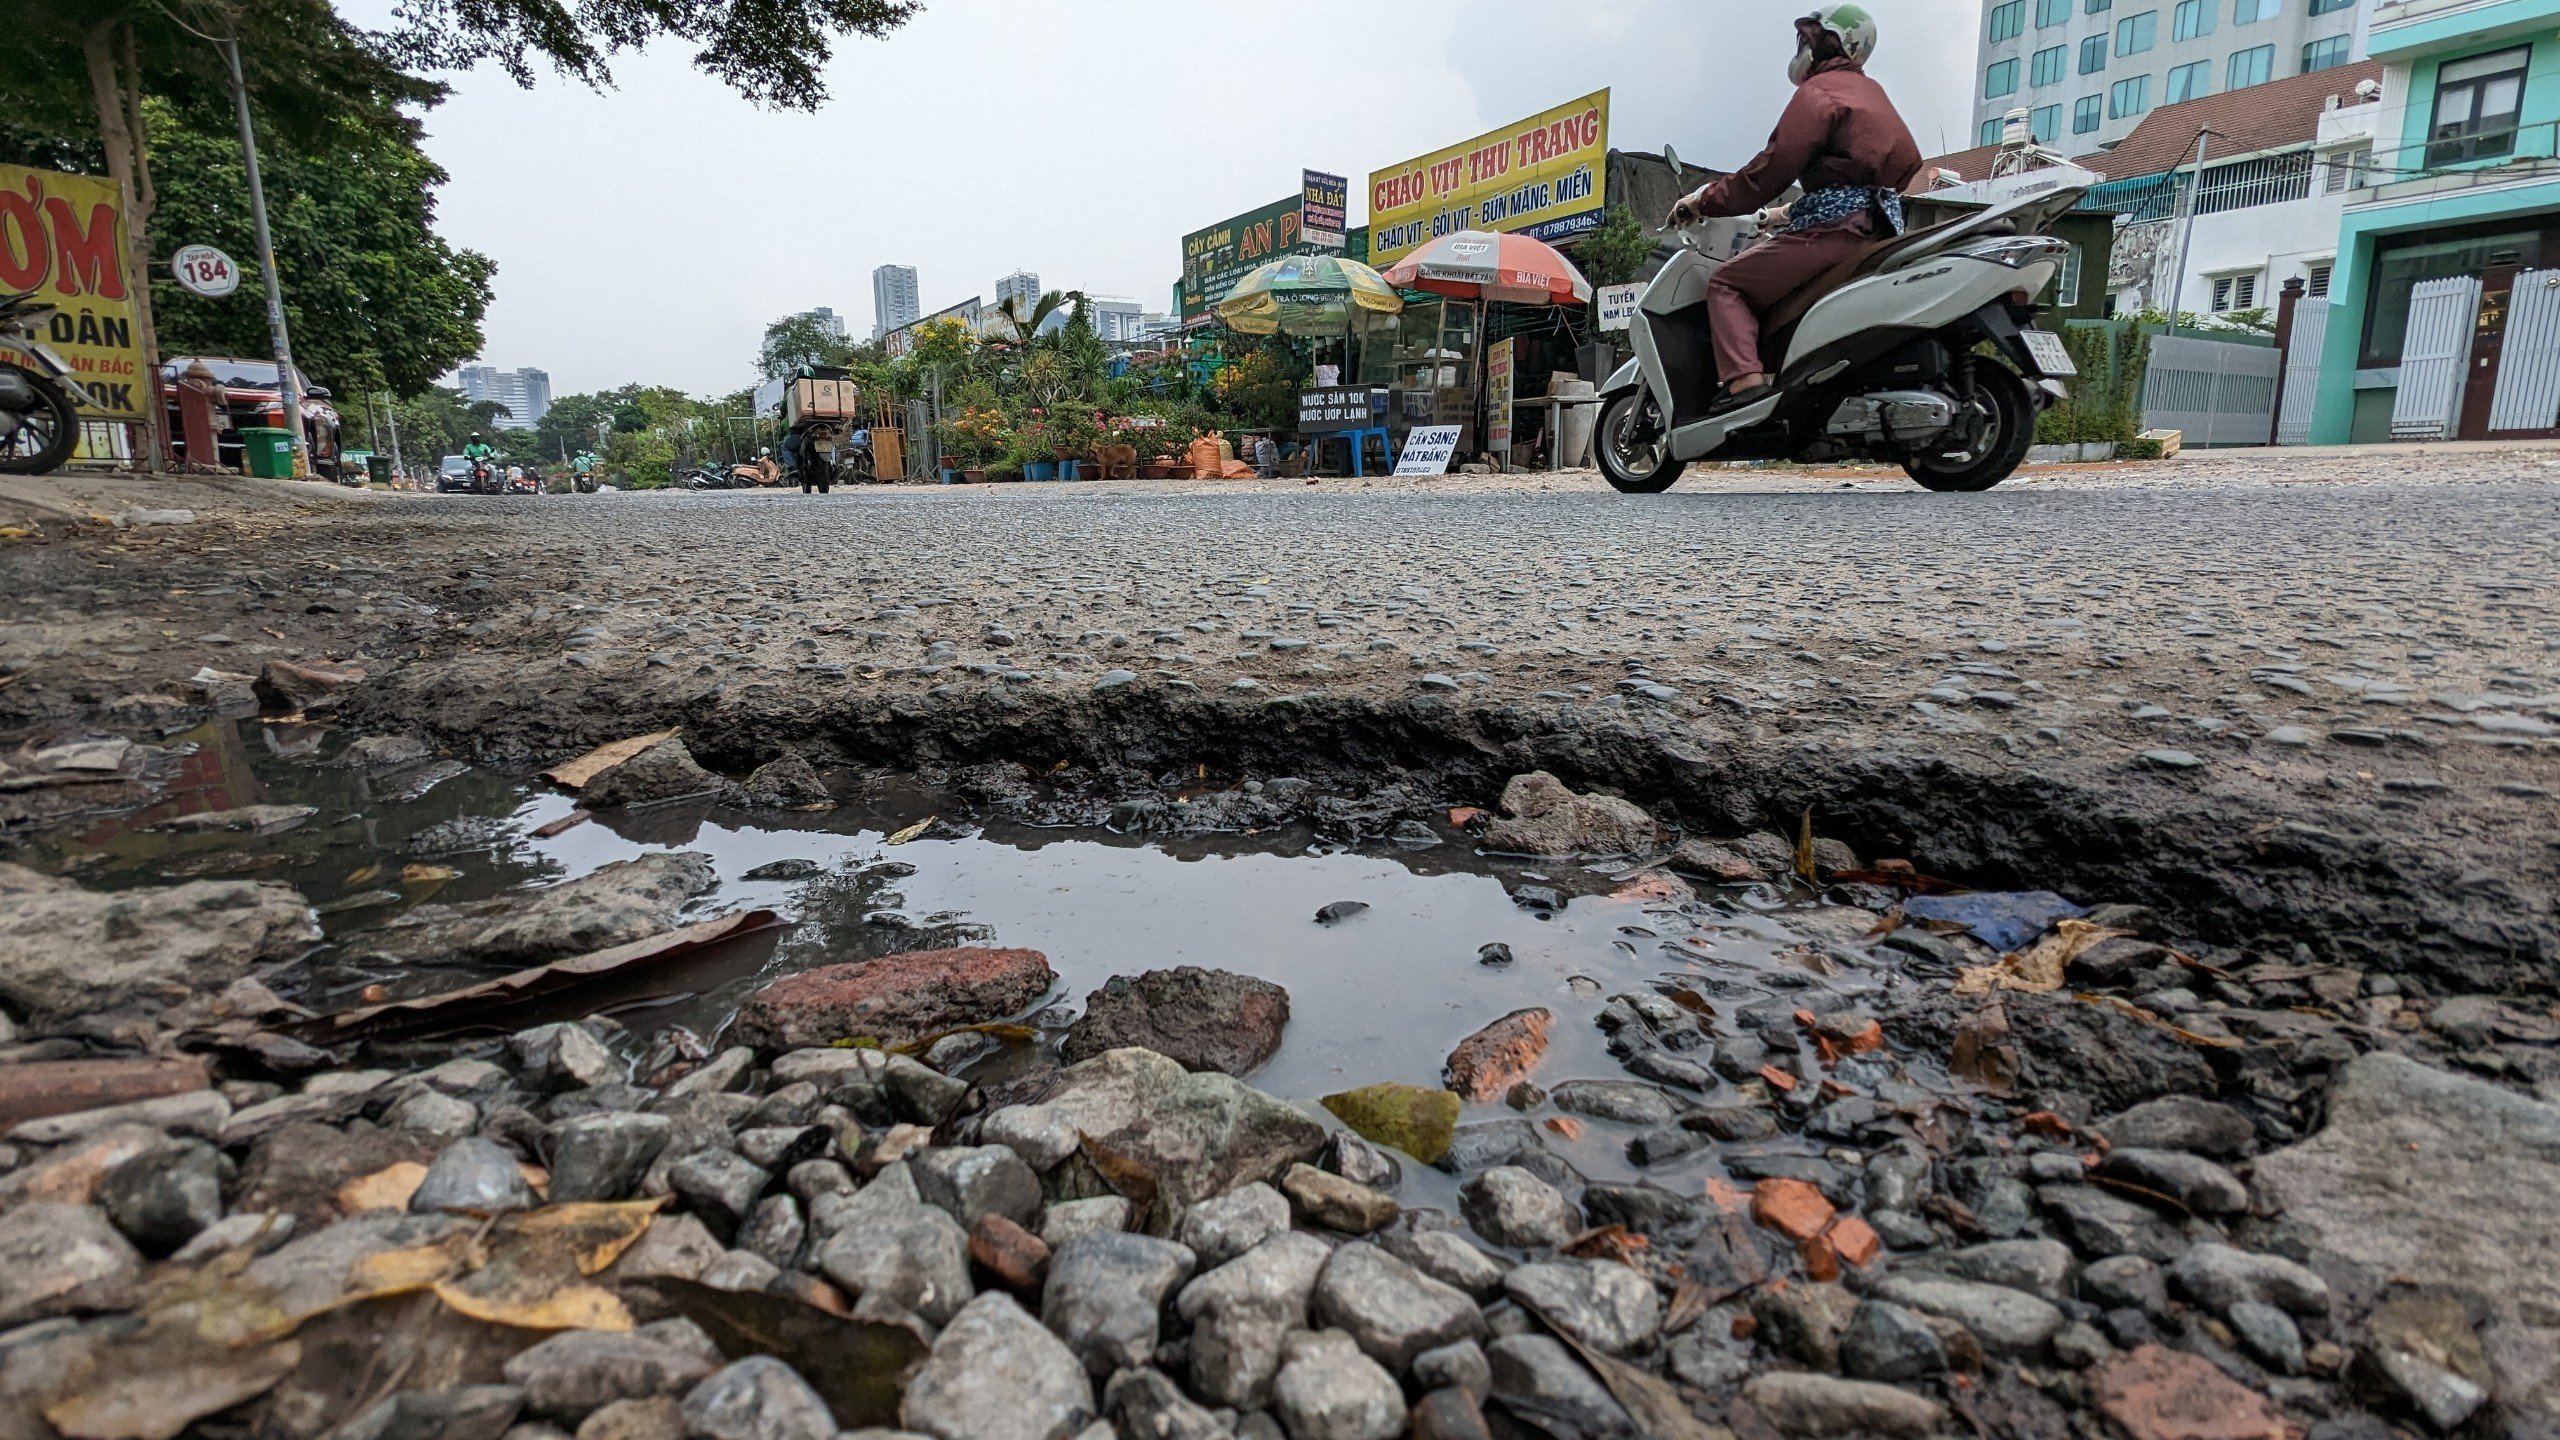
(1546, 177)
(62, 236)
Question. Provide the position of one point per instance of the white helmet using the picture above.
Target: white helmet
(1851, 25)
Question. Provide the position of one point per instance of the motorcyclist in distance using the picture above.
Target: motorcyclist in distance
(1843, 141)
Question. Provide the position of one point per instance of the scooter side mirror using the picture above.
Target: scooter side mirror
(1671, 158)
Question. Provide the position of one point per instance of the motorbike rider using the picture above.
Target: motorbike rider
(1841, 139)
(480, 454)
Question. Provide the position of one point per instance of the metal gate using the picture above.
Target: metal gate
(2435, 360)
(2302, 372)
(2217, 392)
(2528, 393)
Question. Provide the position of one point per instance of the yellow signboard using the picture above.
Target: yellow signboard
(63, 237)
(1546, 177)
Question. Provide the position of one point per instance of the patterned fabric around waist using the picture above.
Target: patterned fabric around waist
(1843, 202)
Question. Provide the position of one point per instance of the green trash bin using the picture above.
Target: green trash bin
(377, 468)
(268, 453)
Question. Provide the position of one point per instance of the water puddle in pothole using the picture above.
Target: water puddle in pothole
(1380, 996)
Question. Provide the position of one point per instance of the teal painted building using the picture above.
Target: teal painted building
(2464, 181)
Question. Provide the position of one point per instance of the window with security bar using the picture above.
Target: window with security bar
(2479, 103)
(2235, 292)
(2317, 286)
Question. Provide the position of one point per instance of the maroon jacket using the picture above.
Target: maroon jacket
(1838, 130)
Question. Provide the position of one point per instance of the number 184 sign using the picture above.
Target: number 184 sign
(205, 271)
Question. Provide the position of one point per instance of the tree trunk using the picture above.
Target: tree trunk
(115, 86)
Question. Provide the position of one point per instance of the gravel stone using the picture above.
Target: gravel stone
(2198, 1183)
(2125, 1282)
(2009, 1322)
(1515, 1209)
(758, 1398)
(1461, 1366)
(1106, 1215)
(1537, 1375)
(1328, 1390)
(473, 1176)
(1820, 1405)
(1601, 1303)
(1145, 1402)
(575, 1372)
(60, 1259)
(2218, 1277)
(1240, 1313)
(164, 1197)
(721, 1184)
(995, 1374)
(969, 1181)
(1392, 1310)
(887, 1242)
(1106, 1292)
(1887, 1342)
(1220, 1229)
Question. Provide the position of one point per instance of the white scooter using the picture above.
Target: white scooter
(1885, 360)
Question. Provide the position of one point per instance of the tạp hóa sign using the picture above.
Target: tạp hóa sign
(1546, 177)
(1214, 259)
(62, 236)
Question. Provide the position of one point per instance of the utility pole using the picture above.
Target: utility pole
(288, 384)
(2187, 238)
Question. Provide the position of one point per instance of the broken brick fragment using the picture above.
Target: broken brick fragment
(1855, 1240)
(1793, 1208)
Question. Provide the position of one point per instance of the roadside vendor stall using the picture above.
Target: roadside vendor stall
(1505, 286)
(1347, 310)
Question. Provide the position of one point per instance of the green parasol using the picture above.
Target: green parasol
(1312, 295)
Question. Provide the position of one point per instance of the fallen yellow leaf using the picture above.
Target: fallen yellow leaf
(382, 1190)
(914, 831)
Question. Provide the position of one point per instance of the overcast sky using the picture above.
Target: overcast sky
(648, 232)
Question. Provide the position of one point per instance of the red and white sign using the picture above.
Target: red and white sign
(205, 271)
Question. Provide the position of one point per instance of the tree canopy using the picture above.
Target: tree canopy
(797, 340)
(375, 297)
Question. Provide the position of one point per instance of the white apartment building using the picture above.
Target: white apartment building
(2088, 71)
(894, 305)
(526, 393)
(1117, 321)
(1021, 284)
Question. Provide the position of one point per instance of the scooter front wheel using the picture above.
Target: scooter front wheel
(1635, 446)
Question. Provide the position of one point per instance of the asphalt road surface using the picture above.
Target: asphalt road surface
(2161, 676)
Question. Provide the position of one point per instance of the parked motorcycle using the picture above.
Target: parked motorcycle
(39, 426)
(703, 477)
(1884, 360)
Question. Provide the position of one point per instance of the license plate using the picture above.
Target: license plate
(2046, 349)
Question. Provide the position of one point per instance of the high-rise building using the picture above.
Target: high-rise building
(894, 305)
(526, 393)
(1022, 284)
(827, 320)
(2085, 72)
(1115, 320)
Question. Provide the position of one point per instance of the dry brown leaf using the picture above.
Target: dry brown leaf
(2038, 969)
(153, 1385)
(528, 1270)
(576, 774)
(2136, 1012)
(914, 831)
(382, 1190)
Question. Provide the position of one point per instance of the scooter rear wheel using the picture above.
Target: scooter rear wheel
(1635, 446)
(2007, 416)
(43, 438)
